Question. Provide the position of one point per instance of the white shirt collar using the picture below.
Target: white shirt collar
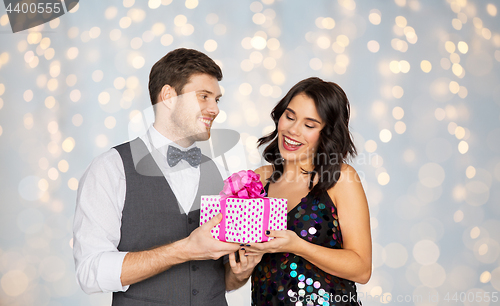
(161, 143)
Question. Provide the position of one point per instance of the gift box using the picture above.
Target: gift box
(246, 212)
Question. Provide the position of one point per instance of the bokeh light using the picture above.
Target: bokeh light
(421, 78)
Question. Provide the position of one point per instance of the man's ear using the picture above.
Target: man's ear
(167, 96)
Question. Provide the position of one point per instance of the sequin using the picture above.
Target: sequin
(280, 276)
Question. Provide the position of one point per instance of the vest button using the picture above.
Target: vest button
(190, 221)
(195, 292)
(194, 268)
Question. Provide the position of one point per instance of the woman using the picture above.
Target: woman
(327, 247)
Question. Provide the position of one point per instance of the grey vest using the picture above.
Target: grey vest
(151, 218)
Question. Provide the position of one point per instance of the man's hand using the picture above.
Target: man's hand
(238, 272)
(244, 267)
(200, 245)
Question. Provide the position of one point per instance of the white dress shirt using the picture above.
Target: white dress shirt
(99, 206)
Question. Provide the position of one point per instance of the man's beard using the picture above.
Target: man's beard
(192, 131)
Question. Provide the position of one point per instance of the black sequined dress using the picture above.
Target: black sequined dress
(288, 279)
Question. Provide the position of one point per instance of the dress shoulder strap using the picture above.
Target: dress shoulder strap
(266, 188)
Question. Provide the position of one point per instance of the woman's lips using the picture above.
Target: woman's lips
(289, 146)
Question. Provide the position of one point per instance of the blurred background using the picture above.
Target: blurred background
(422, 77)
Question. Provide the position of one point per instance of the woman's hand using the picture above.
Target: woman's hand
(284, 242)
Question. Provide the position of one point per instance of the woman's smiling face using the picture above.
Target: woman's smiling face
(299, 130)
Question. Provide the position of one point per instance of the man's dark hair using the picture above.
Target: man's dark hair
(177, 67)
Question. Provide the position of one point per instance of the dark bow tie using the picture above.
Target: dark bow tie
(192, 156)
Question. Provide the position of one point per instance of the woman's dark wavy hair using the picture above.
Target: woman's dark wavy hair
(335, 142)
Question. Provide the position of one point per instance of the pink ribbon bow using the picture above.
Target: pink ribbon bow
(244, 184)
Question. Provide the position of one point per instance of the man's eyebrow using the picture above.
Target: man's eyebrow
(311, 119)
(208, 92)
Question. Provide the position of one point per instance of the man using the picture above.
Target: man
(136, 227)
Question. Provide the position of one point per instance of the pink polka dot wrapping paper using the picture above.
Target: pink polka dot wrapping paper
(244, 221)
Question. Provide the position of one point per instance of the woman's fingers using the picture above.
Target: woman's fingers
(252, 254)
(272, 246)
(270, 233)
(256, 246)
(255, 250)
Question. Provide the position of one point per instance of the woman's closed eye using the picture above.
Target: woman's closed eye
(293, 119)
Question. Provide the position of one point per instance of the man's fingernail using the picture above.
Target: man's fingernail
(243, 244)
(242, 248)
(248, 245)
(268, 232)
(246, 255)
